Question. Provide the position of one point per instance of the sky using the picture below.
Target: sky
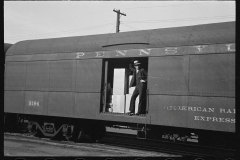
(25, 20)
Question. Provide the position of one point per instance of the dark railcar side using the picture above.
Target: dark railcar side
(191, 76)
(195, 91)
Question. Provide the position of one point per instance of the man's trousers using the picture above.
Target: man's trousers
(140, 90)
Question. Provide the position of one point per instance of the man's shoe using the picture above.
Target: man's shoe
(130, 113)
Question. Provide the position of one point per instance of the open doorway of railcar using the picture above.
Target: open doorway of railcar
(116, 85)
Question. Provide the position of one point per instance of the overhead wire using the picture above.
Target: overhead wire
(62, 32)
(59, 19)
(122, 22)
(166, 5)
(111, 30)
(177, 20)
(126, 24)
(129, 26)
(107, 11)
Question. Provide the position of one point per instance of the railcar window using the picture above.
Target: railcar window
(118, 76)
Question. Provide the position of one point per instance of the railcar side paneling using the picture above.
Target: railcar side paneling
(191, 77)
(54, 88)
(196, 91)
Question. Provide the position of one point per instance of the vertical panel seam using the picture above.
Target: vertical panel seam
(188, 89)
(147, 103)
(50, 65)
(24, 104)
(74, 90)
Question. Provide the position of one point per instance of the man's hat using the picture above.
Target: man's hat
(136, 62)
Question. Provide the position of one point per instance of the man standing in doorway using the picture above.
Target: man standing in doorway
(139, 80)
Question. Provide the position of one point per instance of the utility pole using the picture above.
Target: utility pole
(118, 19)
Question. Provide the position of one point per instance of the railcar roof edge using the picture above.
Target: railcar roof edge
(214, 33)
(6, 47)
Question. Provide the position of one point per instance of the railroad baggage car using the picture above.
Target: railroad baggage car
(60, 86)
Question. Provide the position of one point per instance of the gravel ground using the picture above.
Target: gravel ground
(31, 146)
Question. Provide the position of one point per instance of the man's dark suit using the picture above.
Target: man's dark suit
(140, 90)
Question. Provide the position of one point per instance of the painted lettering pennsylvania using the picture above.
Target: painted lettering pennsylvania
(200, 49)
(146, 52)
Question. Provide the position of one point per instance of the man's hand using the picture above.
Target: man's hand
(142, 81)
